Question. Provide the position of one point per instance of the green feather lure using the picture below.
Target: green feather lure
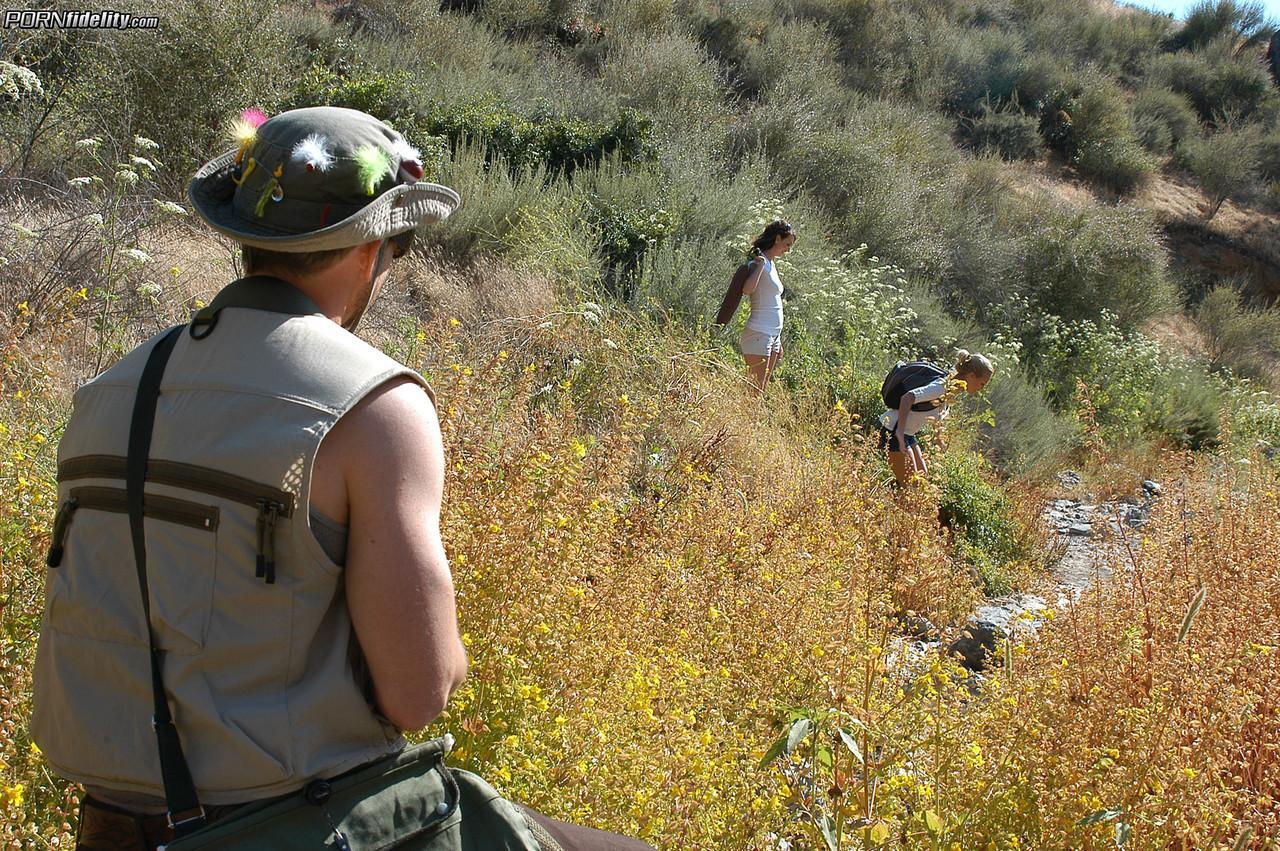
(372, 165)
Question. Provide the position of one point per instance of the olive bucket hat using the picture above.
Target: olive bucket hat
(316, 179)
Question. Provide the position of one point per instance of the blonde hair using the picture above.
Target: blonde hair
(976, 365)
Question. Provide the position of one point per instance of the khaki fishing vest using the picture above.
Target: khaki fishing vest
(259, 657)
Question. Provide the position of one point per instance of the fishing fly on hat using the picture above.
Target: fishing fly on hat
(316, 179)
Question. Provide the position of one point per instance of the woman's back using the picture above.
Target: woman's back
(766, 301)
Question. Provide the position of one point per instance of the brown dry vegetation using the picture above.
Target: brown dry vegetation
(652, 569)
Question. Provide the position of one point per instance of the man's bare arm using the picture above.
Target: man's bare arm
(399, 589)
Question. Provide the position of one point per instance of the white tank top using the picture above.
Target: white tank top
(766, 302)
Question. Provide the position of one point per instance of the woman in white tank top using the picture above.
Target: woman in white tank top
(762, 339)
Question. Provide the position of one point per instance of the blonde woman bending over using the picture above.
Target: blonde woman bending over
(917, 393)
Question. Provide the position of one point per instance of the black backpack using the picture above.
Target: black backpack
(905, 377)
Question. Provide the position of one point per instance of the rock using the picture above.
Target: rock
(975, 645)
(917, 627)
(1152, 488)
(1068, 478)
(991, 624)
(1080, 529)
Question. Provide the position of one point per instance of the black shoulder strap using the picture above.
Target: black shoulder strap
(185, 812)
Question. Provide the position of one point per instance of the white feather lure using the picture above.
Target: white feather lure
(313, 152)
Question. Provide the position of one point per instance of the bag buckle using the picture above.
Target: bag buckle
(177, 820)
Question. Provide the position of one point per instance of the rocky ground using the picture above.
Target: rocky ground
(1086, 533)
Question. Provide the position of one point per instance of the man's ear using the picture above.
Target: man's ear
(368, 255)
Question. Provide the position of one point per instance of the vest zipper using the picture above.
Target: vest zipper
(116, 500)
(272, 503)
(59, 538)
(189, 476)
(268, 511)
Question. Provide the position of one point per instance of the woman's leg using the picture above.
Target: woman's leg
(903, 466)
(758, 369)
(772, 364)
(918, 457)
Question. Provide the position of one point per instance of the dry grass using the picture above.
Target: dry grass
(653, 569)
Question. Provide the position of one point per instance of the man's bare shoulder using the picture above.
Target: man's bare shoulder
(391, 435)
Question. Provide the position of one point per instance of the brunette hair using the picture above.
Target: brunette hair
(773, 230)
(257, 259)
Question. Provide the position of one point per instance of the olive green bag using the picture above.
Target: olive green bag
(410, 800)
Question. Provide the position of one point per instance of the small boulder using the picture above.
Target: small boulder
(917, 627)
(1152, 488)
(976, 644)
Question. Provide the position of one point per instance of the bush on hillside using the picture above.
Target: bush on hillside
(1118, 40)
(1007, 133)
(1187, 405)
(1216, 81)
(795, 67)
(1243, 339)
(883, 179)
(671, 80)
(625, 235)
(1027, 432)
(980, 65)
(180, 85)
(1104, 146)
(1078, 263)
(559, 144)
(1162, 118)
(1269, 156)
(1225, 163)
(1243, 24)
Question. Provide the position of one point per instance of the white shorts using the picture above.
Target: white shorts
(760, 343)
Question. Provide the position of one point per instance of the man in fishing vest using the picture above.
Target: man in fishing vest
(299, 610)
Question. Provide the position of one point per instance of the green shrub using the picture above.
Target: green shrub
(625, 235)
(1225, 163)
(1027, 432)
(795, 66)
(1187, 405)
(1078, 263)
(1104, 147)
(980, 64)
(1269, 156)
(180, 85)
(525, 17)
(1163, 118)
(979, 512)
(1118, 41)
(671, 80)
(882, 179)
(1242, 339)
(1216, 81)
(1243, 23)
(1009, 134)
(559, 144)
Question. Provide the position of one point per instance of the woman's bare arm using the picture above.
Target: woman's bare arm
(753, 279)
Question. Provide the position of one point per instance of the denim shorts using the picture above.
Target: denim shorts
(761, 344)
(889, 440)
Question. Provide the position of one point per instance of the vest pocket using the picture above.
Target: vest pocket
(94, 591)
